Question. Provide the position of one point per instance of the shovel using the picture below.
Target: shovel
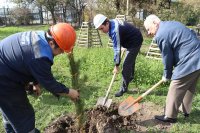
(131, 105)
(104, 101)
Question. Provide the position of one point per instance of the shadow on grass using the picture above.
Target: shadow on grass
(192, 119)
(153, 125)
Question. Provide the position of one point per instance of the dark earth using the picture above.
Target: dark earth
(106, 120)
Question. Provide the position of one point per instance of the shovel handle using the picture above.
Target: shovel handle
(144, 94)
(152, 88)
(108, 91)
(113, 78)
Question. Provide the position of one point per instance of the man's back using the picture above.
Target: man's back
(180, 48)
(129, 35)
(16, 53)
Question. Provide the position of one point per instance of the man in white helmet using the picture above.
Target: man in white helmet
(124, 35)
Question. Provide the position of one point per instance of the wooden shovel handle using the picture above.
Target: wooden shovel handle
(113, 78)
(144, 94)
(152, 88)
(108, 91)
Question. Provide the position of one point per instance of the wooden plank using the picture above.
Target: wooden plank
(154, 49)
(150, 57)
(153, 53)
(88, 34)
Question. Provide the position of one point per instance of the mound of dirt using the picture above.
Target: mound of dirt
(103, 120)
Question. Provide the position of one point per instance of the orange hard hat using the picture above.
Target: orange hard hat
(64, 35)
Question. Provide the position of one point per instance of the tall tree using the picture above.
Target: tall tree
(195, 6)
(22, 3)
(50, 5)
(106, 7)
(194, 3)
(183, 11)
(30, 4)
(64, 4)
(79, 6)
(21, 16)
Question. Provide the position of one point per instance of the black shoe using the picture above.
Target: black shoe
(164, 118)
(120, 93)
(186, 115)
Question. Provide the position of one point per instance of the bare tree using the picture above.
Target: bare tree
(50, 6)
(79, 6)
(106, 7)
(22, 3)
(65, 4)
(89, 10)
(21, 16)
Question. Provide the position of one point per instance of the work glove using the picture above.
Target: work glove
(164, 79)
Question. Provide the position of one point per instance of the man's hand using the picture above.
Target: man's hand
(123, 50)
(73, 94)
(37, 90)
(33, 89)
(164, 79)
(116, 69)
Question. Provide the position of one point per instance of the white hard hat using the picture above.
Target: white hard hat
(98, 20)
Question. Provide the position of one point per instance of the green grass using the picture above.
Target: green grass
(6, 31)
(95, 76)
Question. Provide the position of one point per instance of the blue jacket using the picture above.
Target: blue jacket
(27, 57)
(180, 49)
(125, 35)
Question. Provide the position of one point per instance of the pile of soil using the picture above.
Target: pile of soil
(107, 120)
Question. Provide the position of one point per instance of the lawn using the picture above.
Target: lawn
(96, 65)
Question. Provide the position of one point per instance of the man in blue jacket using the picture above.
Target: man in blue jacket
(27, 57)
(124, 35)
(180, 50)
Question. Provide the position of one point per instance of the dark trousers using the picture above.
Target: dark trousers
(129, 67)
(18, 114)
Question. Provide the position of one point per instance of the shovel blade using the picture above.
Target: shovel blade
(124, 111)
(103, 102)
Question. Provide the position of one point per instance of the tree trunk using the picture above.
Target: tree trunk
(41, 15)
(53, 17)
(64, 14)
(79, 105)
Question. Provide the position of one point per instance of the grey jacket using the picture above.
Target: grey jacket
(180, 49)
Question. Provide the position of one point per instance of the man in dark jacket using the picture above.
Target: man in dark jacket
(124, 35)
(27, 57)
(180, 50)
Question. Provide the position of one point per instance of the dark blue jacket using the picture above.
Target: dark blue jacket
(180, 49)
(27, 57)
(123, 34)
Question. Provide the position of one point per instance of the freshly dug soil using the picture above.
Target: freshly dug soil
(106, 120)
